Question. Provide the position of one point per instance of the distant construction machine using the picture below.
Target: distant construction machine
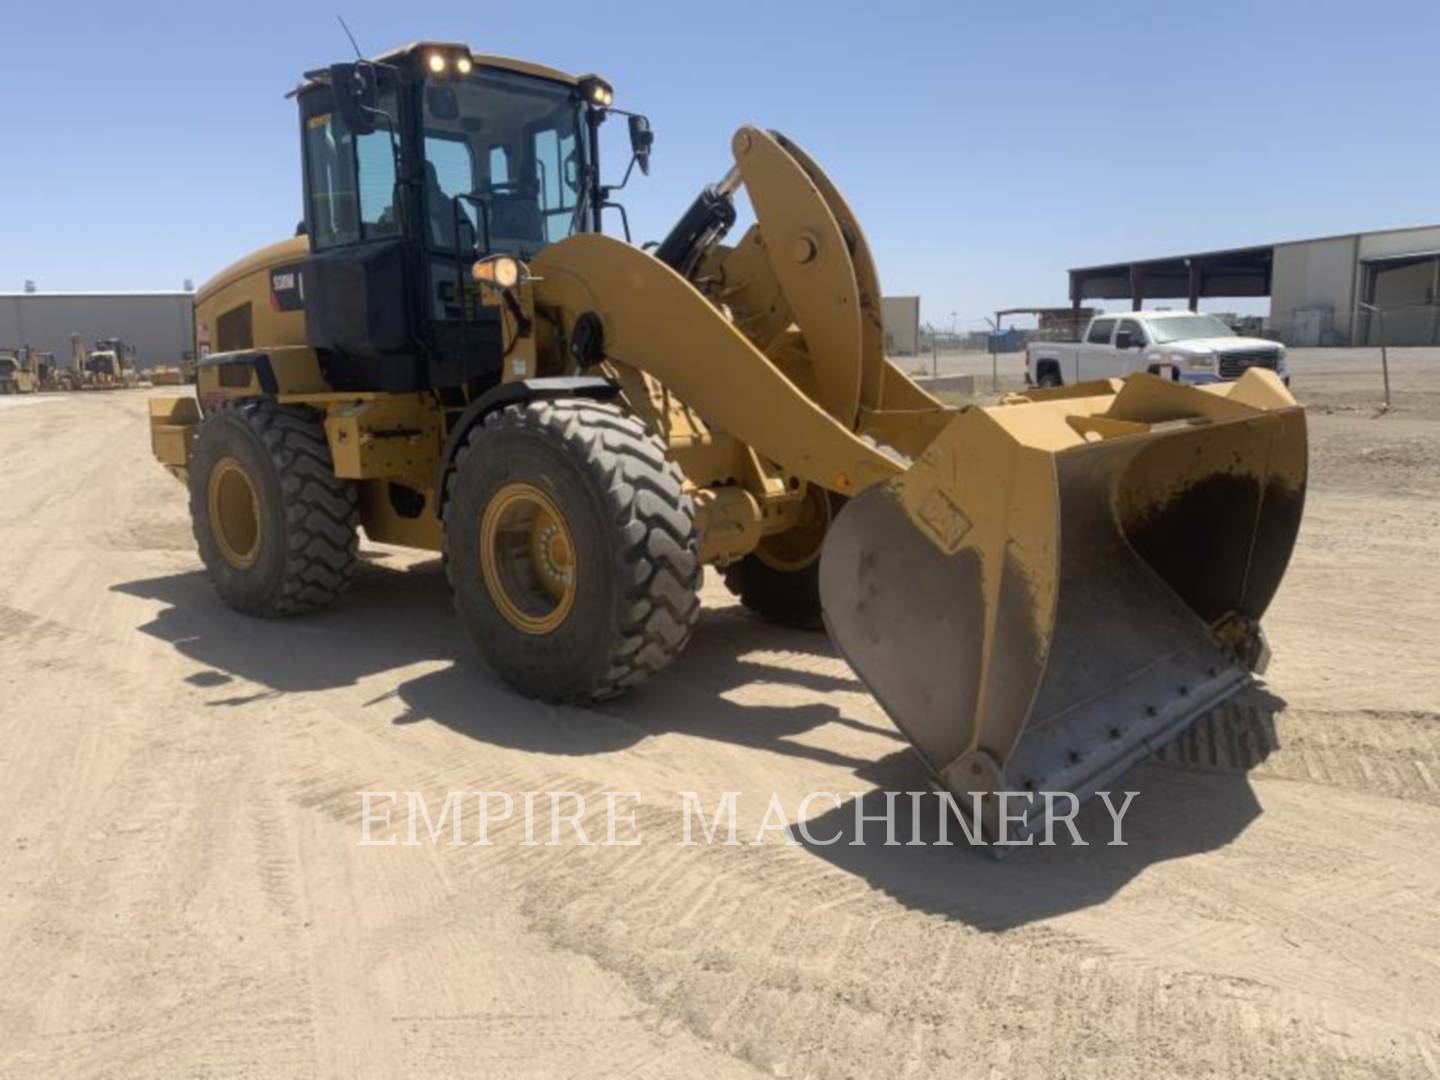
(18, 372)
(108, 365)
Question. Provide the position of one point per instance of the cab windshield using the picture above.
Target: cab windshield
(1184, 327)
(512, 143)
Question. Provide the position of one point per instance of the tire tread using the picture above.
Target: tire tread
(643, 491)
(320, 511)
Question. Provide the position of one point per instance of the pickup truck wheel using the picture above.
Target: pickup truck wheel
(1048, 380)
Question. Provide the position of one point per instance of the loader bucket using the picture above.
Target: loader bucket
(1058, 587)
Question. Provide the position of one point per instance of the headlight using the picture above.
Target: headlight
(596, 91)
(463, 65)
(499, 270)
(436, 61)
(1201, 360)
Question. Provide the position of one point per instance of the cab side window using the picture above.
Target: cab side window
(376, 161)
(556, 155)
(330, 158)
(351, 179)
(1100, 332)
(449, 171)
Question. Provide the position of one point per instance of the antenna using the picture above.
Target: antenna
(358, 54)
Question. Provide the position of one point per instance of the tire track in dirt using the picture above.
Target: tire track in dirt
(772, 957)
(765, 953)
(105, 902)
(1389, 753)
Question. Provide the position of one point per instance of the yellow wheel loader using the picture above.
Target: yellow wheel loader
(110, 365)
(453, 355)
(18, 374)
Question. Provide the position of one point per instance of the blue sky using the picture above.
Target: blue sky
(986, 147)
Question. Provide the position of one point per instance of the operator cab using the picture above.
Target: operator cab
(416, 164)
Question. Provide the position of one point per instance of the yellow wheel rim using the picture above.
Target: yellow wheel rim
(527, 557)
(234, 513)
(798, 546)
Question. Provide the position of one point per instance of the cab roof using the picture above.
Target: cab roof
(490, 60)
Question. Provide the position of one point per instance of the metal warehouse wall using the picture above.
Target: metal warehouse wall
(1313, 273)
(1330, 273)
(901, 315)
(159, 325)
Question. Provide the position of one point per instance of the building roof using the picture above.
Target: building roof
(97, 292)
(1402, 256)
(1239, 271)
(1272, 245)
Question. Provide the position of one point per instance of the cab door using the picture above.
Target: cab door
(1131, 334)
(1095, 359)
(353, 286)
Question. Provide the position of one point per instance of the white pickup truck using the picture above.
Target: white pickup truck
(1185, 345)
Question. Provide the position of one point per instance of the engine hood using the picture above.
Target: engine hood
(1220, 344)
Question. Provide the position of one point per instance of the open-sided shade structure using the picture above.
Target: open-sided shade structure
(1233, 272)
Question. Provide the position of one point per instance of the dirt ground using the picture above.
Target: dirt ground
(185, 893)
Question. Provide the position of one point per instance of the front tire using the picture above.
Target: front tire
(275, 527)
(571, 548)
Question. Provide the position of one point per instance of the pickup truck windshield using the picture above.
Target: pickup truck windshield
(1182, 327)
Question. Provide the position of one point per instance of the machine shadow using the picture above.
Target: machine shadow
(725, 654)
(391, 619)
(1192, 797)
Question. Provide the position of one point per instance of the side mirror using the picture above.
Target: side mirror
(355, 97)
(641, 139)
(1122, 339)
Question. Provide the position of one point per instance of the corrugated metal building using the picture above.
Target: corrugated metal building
(1322, 291)
(158, 324)
(1321, 288)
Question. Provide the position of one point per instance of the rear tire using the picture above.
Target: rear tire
(780, 580)
(786, 598)
(571, 548)
(275, 527)
(1049, 380)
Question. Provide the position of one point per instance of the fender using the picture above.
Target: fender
(512, 393)
(263, 372)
